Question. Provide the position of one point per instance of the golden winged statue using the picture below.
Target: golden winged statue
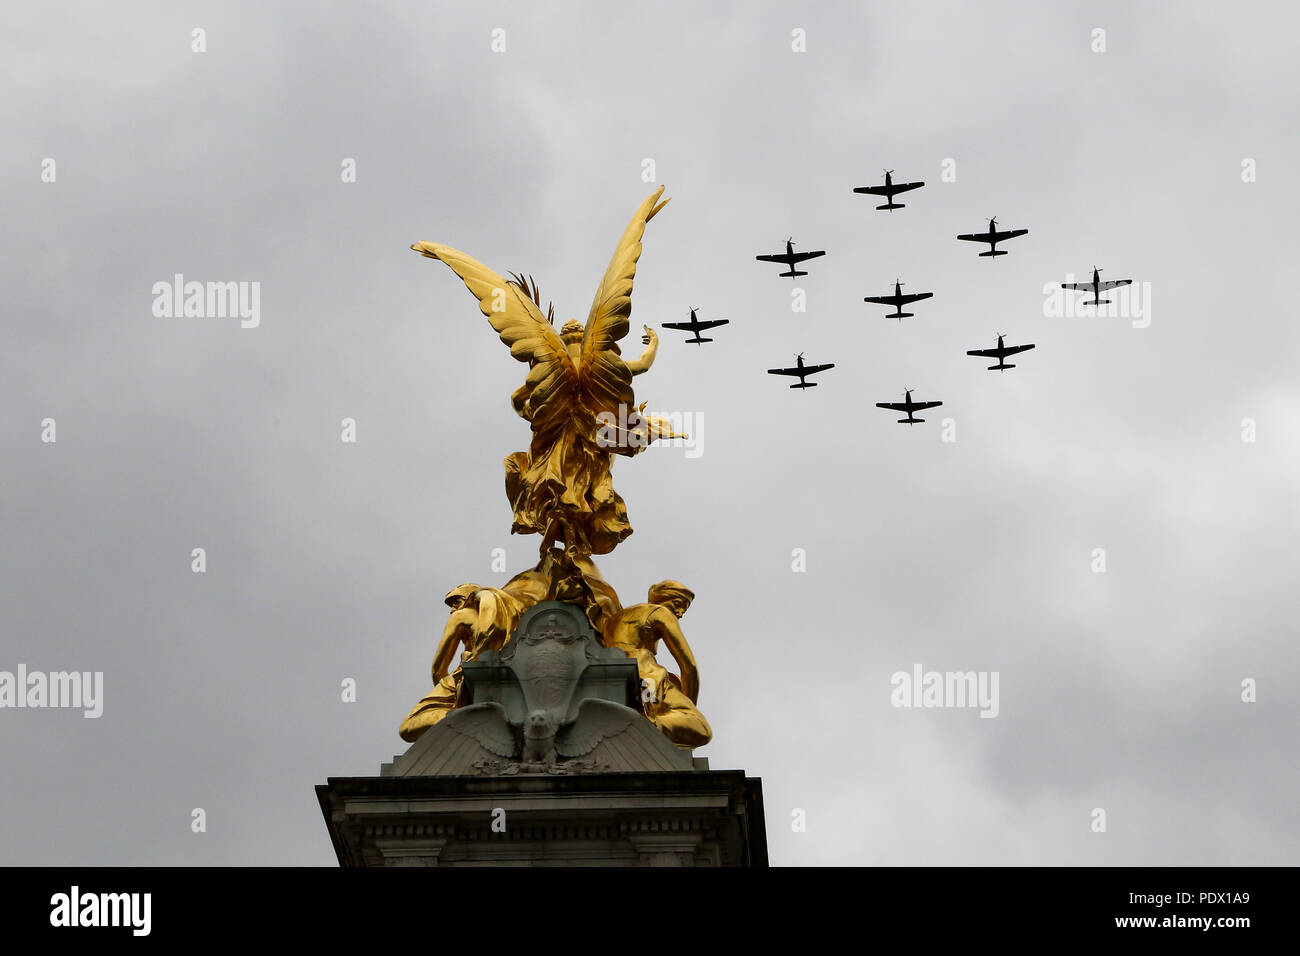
(577, 397)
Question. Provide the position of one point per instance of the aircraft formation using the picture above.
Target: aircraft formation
(992, 236)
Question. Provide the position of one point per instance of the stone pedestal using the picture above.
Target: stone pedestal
(547, 760)
(673, 818)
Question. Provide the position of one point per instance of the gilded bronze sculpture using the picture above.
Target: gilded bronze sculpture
(578, 400)
(667, 700)
(577, 381)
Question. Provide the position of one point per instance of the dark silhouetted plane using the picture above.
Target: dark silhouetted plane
(1096, 287)
(909, 406)
(898, 300)
(993, 237)
(791, 258)
(695, 326)
(1000, 353)
(802, 371)
(888, 190)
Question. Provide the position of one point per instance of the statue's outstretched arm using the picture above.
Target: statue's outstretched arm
(670, 632)
(642, 364)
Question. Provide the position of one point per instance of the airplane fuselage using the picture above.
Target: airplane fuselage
(803, 376)
(993, 240)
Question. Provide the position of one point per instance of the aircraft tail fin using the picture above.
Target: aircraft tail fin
(994, 252)
(995, 368)
(893, 205)
(804, 385)
(792, 273)
(900, 315)
(910, 421)
(697, 341)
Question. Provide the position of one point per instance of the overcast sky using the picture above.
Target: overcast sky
(326, 560)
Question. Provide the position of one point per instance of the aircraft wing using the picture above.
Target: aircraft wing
(987, 353)
(873, 190)
(915, 297)
(787, 371)
(1078, 286)
(880, 299)
(920, 405)
(681, 326)
(1010, 234)
(1013, 349)
(976, 237)
(809, 369)
(801, 256)
(781, 259)
(893, 406)
(1114, 285)
(904, 187)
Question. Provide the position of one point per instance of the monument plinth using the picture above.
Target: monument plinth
(673, 818)
(559, 739)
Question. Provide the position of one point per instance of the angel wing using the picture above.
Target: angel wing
(519, 321)
(606, 379)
